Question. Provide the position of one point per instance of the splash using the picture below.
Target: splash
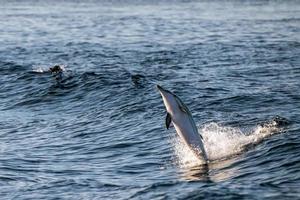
(43, 69)
(40, 69)
(222, 142)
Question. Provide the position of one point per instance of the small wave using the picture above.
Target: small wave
(10, 67)
(223, 142)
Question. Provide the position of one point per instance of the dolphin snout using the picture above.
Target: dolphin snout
(159, 87)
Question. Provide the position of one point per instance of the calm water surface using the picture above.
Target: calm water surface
(99, 132)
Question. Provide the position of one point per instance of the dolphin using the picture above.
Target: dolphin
(181, 117)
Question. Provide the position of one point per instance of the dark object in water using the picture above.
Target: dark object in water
(57, 72)
(276, 121)
(137, 79)
(56, 69)
(280, 121)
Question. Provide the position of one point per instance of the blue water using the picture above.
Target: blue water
(99, 133)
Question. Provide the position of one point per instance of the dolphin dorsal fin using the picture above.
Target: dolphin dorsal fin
(168, 120)
(183, 109)
(182, 106)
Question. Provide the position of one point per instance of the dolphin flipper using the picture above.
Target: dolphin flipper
(168, 120)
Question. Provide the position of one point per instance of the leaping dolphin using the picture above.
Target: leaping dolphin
(181, 117)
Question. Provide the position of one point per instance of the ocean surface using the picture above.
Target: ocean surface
(98, 131)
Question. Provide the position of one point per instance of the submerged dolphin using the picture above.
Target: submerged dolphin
(180, 116)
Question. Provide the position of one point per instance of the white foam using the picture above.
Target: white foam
(39, 69)
(63, 67)
(220, 142)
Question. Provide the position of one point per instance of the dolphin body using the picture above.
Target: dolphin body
(181, 117)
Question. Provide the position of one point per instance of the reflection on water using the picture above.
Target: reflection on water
(215, 171)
